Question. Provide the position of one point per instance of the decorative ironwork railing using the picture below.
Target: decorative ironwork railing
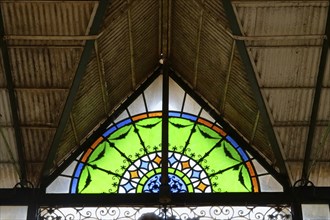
(170, 213)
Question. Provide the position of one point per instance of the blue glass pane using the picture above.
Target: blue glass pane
(153, 184)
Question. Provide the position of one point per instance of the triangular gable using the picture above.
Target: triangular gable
(126, 157)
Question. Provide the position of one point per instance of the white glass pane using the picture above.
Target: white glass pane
(191, 106)
(69, 170)
(122, 116)
(13, 212)
(176, 95)
(207, 116)
(315, 211)
(59, 185)
(269, 184)
(260, 169)
(137, 107)
(153, 95)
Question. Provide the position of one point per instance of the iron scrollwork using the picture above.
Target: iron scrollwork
(168, 213)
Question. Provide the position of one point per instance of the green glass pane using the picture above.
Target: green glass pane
(179, 131)
(131, 156)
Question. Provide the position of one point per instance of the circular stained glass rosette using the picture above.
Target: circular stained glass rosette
(127, 158)
(184, 175)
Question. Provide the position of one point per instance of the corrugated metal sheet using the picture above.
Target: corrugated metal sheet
(324, 107)
(215, 9)
(293, 141)
(213, 70)
(295, 170)
(114, 53)
(44, 67)
(40, 107)
(47, 18)
(8, 151)
(321, 144)
(36, 18)
(114, 49)
(33, 171)
(8, 175)
(287, 69)
(36, 142)
(289, 105)
(184, 30)
(145, 28)
(5, 110)
(320, 174)
(88, 109)
(326, 79)
(68, 144)
(286, 66)
(266, 18)
(3, 82)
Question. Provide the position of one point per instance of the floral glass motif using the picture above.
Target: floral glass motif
(127, 158)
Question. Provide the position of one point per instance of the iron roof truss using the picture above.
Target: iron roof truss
(256, 90)
(80, 71)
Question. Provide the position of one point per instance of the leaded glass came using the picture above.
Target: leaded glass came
(127, 158)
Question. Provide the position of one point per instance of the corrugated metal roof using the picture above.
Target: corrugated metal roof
(44, 67)
(320, 174)
(113, 62)
(36, 142)
(282, 18)
(8, 175)
(8, 151)
(293, 140)
(128, 50)
(3, 82)
(40, 107)
(5, 110)
(287, 68)
(289, 105)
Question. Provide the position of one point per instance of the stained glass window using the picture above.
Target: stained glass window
(127, 156)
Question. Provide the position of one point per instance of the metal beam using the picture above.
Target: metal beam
(198, 41)
(164, 196)
(256, 90)
(225, 90)
(13, 103)
(131, 44)
(232, 132)
(306, 195)
(80, 72)
(316, 102)
(47, 180)
(165, 27)
(101, 71)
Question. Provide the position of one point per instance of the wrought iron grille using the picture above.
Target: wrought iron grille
(170, 213)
